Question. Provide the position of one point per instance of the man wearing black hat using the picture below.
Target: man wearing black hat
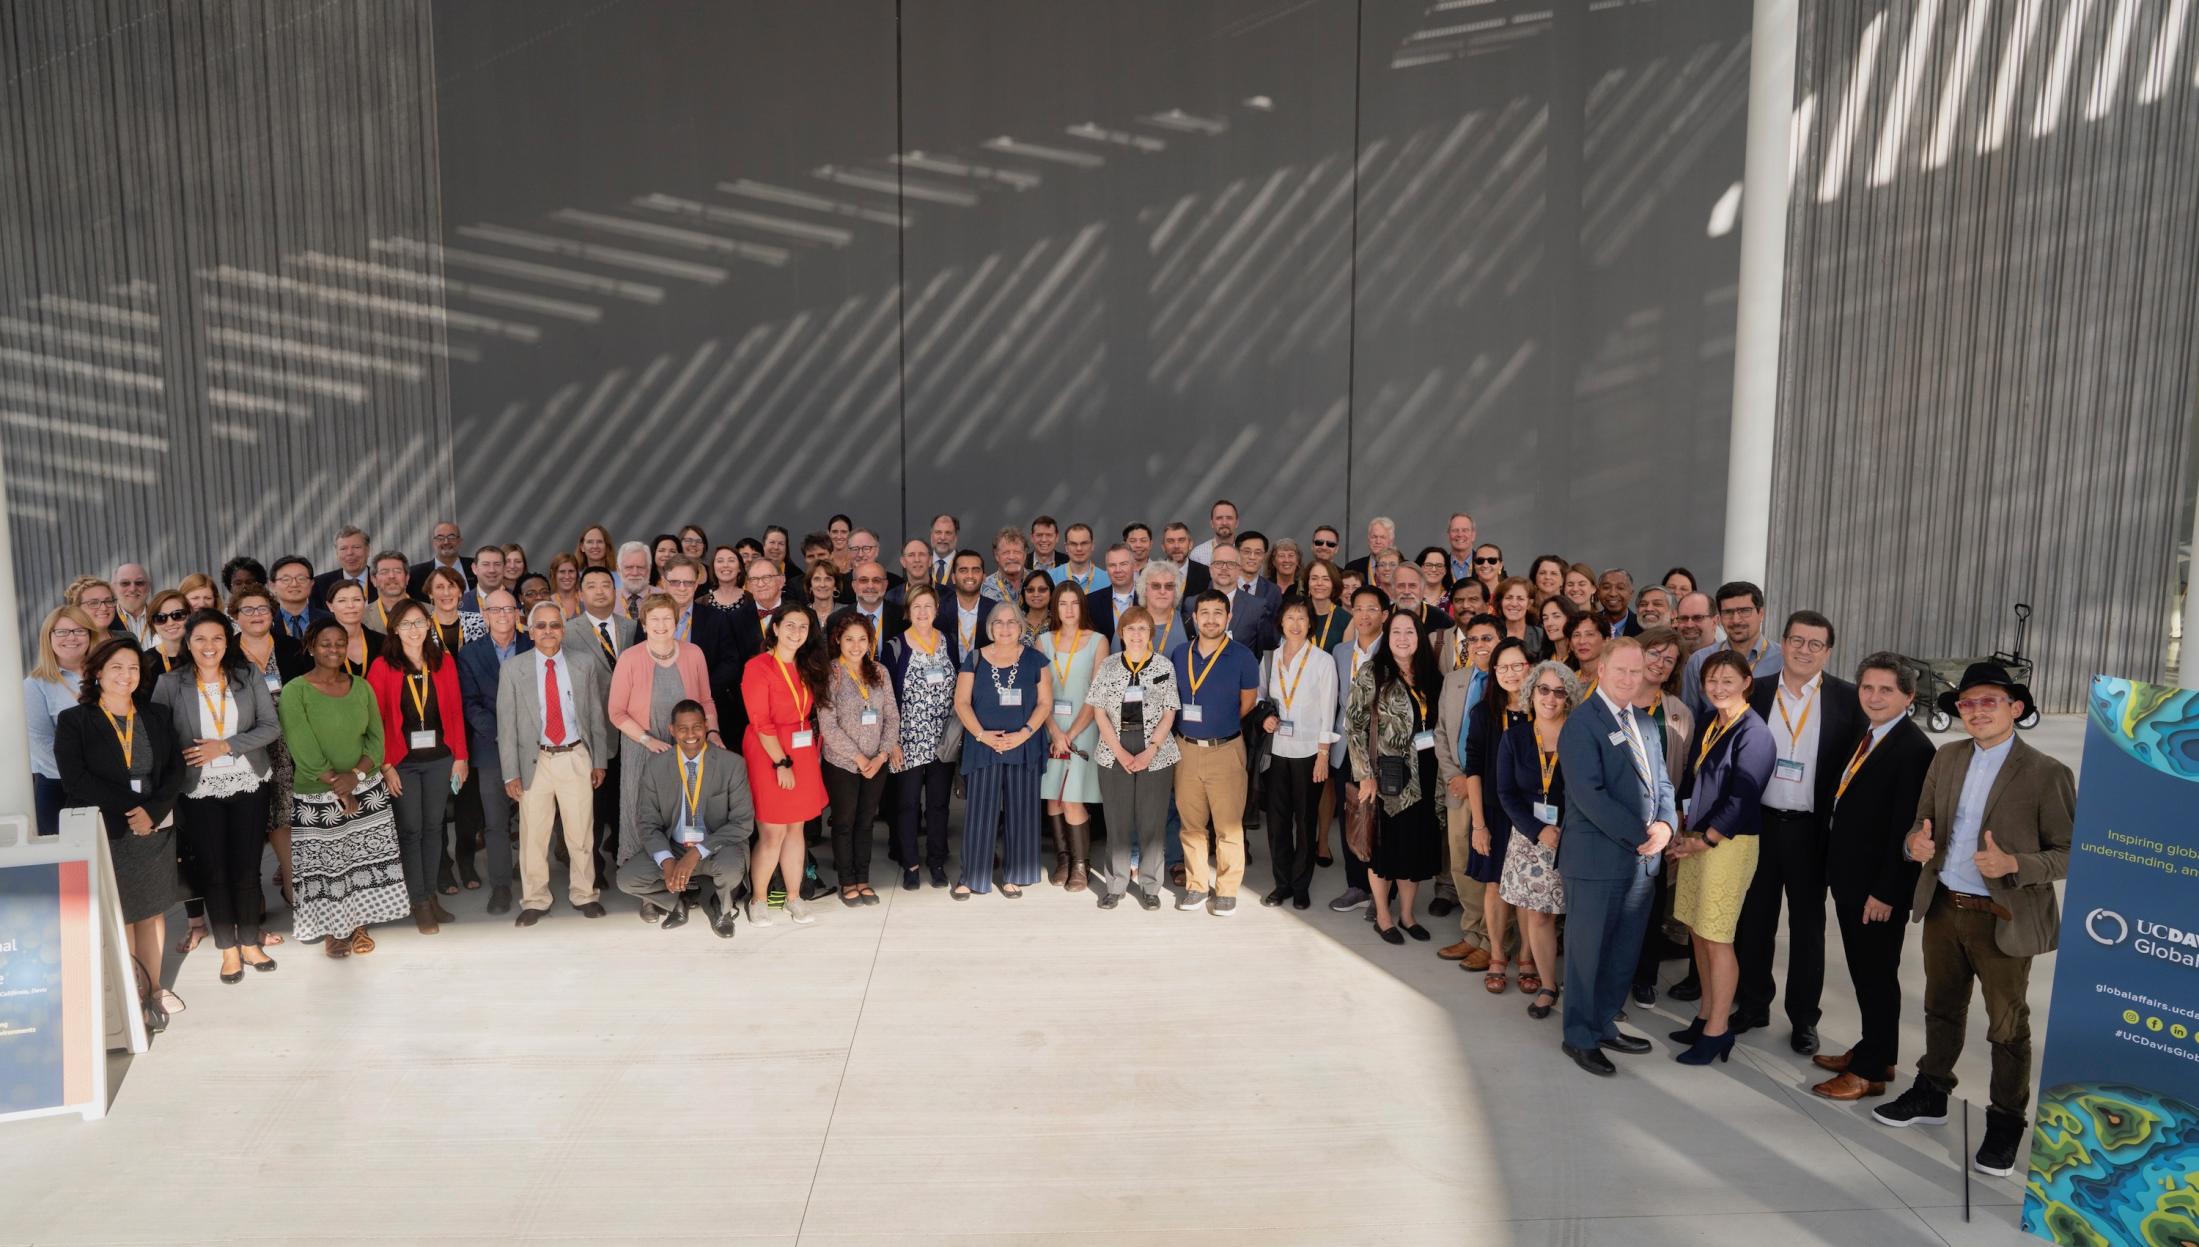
(1992, 834)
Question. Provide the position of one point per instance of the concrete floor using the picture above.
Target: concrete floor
(993, 1071)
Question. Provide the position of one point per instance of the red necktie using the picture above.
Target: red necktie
(553, 714)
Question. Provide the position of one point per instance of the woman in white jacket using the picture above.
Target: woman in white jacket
(1298, 688)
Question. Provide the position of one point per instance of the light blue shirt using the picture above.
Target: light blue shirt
(688, 831)
(566, 705)
(1091, 580)
(1959, 873)
(43, 702)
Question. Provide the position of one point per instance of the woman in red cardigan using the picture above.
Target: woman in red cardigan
(650, 679)
(781, 688)
(424, 748)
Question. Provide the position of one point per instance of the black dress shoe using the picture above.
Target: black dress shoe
(593, 909)
(673, 917)
(1632, 1045)
(722, 925)
(1743, 1023)
(1688, 989)
(1442, 907)
(1804, 1040)
(1645, 994)
(527, 918)
(1591, 1060)
(233, 977)
(500, 899)
(939, 876)
(911, 879)
(1275, 898)
(1108, 900)
(1301, 901)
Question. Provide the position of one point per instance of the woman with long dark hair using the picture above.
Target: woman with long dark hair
(780, 689)
(424, 748)
(861, 724)
(1396, 693)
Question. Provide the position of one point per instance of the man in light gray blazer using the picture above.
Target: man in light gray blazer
(693, 825)
(552, 733)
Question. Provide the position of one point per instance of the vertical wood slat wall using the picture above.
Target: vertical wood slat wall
(1986, 386)
(192, 364)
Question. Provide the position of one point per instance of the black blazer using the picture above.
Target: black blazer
(1872, 820)
(711, 631)
(1837, 734)
(1100, 606)
(892, 620)
(93, 773)
(150, 667)
(416, 584)
(327, 580)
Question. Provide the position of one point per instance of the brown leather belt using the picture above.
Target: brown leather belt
(559, 748)
(1982, 904)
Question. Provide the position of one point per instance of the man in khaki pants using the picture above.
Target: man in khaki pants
(551, 736)
(1216, 678)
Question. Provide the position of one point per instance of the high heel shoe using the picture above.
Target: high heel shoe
(1693, 1032)
(1707, 1049)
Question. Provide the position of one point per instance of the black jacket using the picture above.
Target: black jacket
(93, 772)
(1840, 728)
(416, 583)
(1870, 822)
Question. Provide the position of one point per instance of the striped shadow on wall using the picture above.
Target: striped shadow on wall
(1986, 390)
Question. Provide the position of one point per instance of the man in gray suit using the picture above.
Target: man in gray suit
(551, 731)
(693, 824)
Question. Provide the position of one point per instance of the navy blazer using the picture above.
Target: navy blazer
(1726, 792)
(1872, 819)
(478, 672)
(1607, 810)
(898, 650)
(1519, 780)
(1099, 606)
(1252, 617)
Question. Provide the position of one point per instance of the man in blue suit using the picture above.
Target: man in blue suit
(1617, 821)
(480, 664)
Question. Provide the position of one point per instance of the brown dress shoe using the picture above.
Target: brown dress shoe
(423, 917)
(1836, 1064)
(1848, 1087)
(1455, 952)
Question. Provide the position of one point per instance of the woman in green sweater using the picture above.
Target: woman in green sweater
(343, 842)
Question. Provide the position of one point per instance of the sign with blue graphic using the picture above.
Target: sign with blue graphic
(2115, 1147)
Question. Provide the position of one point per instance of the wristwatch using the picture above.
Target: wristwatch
(360, 776)
(785, 762)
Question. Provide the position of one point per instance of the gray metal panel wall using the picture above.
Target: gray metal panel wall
(1986, 382)
(199, 357)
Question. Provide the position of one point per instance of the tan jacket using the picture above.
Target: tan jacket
(2029, 812)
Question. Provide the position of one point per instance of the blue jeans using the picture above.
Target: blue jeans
(1604, 922)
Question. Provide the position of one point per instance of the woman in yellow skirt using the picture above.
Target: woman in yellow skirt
(1729, 760)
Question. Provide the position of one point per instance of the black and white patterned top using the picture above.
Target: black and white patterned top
(1157, 680)
(927, 703)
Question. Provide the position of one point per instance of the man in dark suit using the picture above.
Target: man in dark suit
(596, 637)
(885, 619)
(1191, 575)
(707, 630)
(1993, 836)
(1381, 535)
(1617, 820)
(1815, 721)
(1106, 603)
(1874, 803)
(444, 542)
(351, 564)
(1252, 617)
(692, 825)
(916, 569)
(766, 592)
(480, 665)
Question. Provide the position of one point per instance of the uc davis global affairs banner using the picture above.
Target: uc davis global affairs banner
(2115, 1147)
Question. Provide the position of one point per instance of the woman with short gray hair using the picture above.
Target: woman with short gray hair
(1532, 788)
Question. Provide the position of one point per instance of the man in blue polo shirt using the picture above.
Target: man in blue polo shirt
(1216, 678)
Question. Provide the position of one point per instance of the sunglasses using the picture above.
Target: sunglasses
(1319, 544)
(1987, 704)
(1549, 690)
(171, 617)
(1488, 562)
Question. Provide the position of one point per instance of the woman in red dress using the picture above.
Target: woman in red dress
(781, 688)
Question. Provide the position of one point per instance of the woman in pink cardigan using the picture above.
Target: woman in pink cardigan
(648, 681)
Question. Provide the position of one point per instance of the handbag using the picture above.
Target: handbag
(949, 748)
(1359, 816)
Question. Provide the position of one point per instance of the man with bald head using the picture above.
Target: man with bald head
(885, 619)
(133, 585)
(444, 542)
(480, 665)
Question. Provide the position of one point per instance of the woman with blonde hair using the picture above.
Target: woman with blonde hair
(64, 641)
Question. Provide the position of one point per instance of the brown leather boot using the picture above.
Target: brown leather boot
(1080, 856)
(423, 917)
(1059, 825)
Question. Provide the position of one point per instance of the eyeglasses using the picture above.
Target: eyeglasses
(132, 584)
(171, 617)
(69, 634)
(499, 610)
(1487, 562)
(1808, 645)
(1697, 618)
(413, 624)
(1738, 612)
(1512, 668)
(95, 601)
(1549, 690)
(252, 612)
(670, 583)
(1984, 704)
(293, 578)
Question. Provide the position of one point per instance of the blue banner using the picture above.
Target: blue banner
(33, 1055)
(2115, 1146)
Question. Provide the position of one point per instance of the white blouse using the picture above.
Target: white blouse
(1303, 691)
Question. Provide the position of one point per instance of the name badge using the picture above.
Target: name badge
(223, 763)
(935, 676)
(136, 784)
(1133, 694)
(1286, 727)
(869, 718)
(1546, 814)
(1193, 712)
(274, 683)
(1685, 803)
(1618, 738)
(804, 738)
(1423, 740)
(422, 739)
(1064, 711)
(1791, 770)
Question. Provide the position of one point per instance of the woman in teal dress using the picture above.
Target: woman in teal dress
(1071, 782)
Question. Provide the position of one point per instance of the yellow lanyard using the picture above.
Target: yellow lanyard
(794, 689)
(687, 623)
(1289, 689)
(1712, 736)
(968, 635)
(1420, 706)
(1136, 669)
(694, 793)
(918, 642)
(1062, 670)
(216, 709)
(1794, 730)
(417, 686)
(855, 673)
(1549, 763)
(1328, 625)
(602, 640)
(1160, 643)
(1357, 657)
(384, 612)
(1198, 677)
(125, 733)
(1855, 764)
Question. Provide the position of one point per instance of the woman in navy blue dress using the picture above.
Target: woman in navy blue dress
(1003, 697)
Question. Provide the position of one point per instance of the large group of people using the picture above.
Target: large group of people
(1595, 777)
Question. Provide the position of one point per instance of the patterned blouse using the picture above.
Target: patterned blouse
(927, 704)
(841, 723)
(1157, 681)
(1394, 727)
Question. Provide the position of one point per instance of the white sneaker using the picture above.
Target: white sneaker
(797, 912)
(759, 912)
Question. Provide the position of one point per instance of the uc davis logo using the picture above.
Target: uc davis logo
(2105, 926)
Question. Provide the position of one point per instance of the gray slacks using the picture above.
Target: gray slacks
(1137, 813)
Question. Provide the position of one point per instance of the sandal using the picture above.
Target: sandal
(361, 942)
(1011, 891)
(1494, 981)
(961, 892)
(468, 876)
(1530, 980)
(337, 949)
(194, 935)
